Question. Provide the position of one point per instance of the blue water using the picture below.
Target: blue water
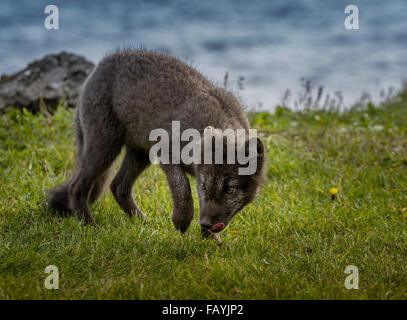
(271, 43)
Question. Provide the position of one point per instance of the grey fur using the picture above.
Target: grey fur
(129, 94)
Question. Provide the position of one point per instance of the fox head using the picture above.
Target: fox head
(225, 188)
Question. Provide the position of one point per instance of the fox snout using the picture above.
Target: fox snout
(211, 219)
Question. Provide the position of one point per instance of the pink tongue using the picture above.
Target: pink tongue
(217, 227)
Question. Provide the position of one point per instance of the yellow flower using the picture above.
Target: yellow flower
(333, 191)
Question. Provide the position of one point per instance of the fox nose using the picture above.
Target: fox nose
(206, 225)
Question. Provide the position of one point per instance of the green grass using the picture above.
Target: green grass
(293, 242)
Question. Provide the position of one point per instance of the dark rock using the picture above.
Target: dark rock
(49, 80)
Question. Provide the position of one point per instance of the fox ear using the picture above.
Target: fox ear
(255, 141)
(258, 152)
(210, 133)
(211, 129)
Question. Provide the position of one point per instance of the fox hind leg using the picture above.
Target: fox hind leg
(103, 139)
(134, 163)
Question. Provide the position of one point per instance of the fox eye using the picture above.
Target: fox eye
(230, 190)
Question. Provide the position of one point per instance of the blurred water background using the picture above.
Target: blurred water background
(268, 44)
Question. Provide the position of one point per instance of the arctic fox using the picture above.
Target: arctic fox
(129, 94)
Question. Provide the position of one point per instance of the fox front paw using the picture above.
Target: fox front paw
(181, 221)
